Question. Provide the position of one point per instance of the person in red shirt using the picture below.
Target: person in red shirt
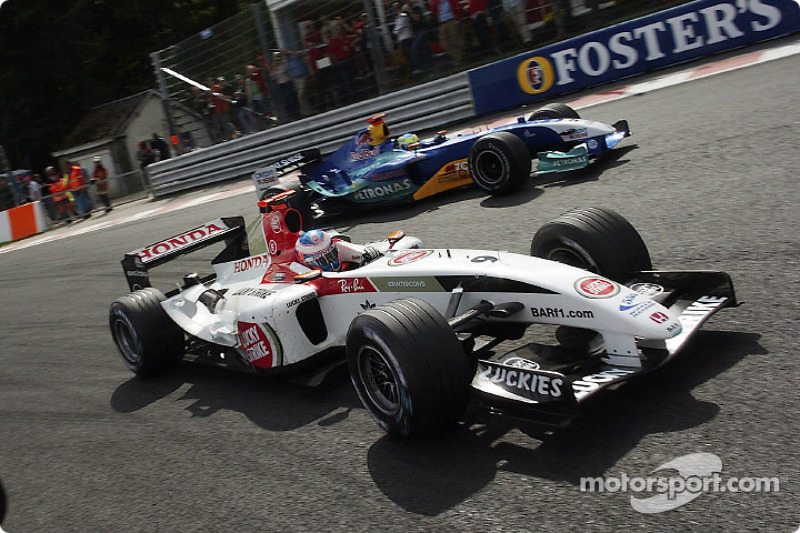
(321, 67)
(341, 51)
(100, 180)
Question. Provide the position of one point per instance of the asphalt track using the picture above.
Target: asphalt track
(709, 179)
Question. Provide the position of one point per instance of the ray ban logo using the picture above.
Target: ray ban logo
(678, 482)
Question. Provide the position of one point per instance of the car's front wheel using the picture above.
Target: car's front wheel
(595, 239)
(499, 163)
(408, 368)
(148, 340)
(554, 110)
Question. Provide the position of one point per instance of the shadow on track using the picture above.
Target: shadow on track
(429, 478)
(271, 403)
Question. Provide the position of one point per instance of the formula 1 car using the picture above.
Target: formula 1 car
(374, 168)
(418, 327)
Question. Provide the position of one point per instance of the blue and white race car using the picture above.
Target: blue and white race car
(374, 167)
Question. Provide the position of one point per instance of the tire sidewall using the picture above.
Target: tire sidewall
(397, 422)
(490, 149)
(507, 150)
(119, 314)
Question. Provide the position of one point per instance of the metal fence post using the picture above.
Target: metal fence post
(376, 48)
(262, 35)
(155, 59)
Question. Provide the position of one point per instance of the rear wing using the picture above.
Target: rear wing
(137, 264)
(267, 177)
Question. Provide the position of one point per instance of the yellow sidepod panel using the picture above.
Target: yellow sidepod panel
(454, 174)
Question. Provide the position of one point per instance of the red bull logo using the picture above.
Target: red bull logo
(363, 138)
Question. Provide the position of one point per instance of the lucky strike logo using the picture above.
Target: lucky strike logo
(535, 75)
(255, 345)
(596, 288)
(409, 257)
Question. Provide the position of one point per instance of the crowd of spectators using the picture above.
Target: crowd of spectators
(334, 64)
(65, 195)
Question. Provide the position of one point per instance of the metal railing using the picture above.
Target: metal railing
(419, 108)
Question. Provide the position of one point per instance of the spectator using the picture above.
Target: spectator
(34, 192)
(320, 66)
(144, 155)
(517, 12)
(59, 186)
(47, 198)
(220, 99)
(298, 69)
(340, 51)
(160, 148)
(561, 17)
(480, 30)
(286, 91)
(448, 15)
(420, 49)
(243, 115)
(361, 46)
(404, 32)
(79, 187)
(100, 180)
(6, 195)
(326, 26)
(256, 91)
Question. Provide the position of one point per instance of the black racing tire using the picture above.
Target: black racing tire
(148, 340)
(554, 110)
(500, 163)
(408, 368)
(2, 502)
(595, 239)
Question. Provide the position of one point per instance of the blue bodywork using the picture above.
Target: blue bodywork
(362, 173)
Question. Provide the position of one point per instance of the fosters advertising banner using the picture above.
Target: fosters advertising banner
(672, 36)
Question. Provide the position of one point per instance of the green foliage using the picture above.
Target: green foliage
(59, 58)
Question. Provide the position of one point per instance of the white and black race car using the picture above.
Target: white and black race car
(412, 323)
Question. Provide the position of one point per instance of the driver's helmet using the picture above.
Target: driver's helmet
(406, 140)
(378, 129)
(316, 249)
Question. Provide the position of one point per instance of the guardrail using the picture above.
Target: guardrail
(423, 107)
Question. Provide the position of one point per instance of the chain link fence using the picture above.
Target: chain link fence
(281, 60)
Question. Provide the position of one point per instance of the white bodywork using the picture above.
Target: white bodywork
(551, 293)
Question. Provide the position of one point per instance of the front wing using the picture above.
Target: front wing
(548, 383)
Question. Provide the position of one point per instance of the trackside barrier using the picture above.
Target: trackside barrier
(423, 107)
(690, 31)
(23, 221)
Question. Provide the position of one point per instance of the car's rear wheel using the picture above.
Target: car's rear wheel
(553, 111)
(594, 239)
(148, 340)
(499, 163)
(408, 368)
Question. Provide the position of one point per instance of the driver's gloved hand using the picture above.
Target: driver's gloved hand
(369, 254)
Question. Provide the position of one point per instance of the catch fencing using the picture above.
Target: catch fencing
(314, 99)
